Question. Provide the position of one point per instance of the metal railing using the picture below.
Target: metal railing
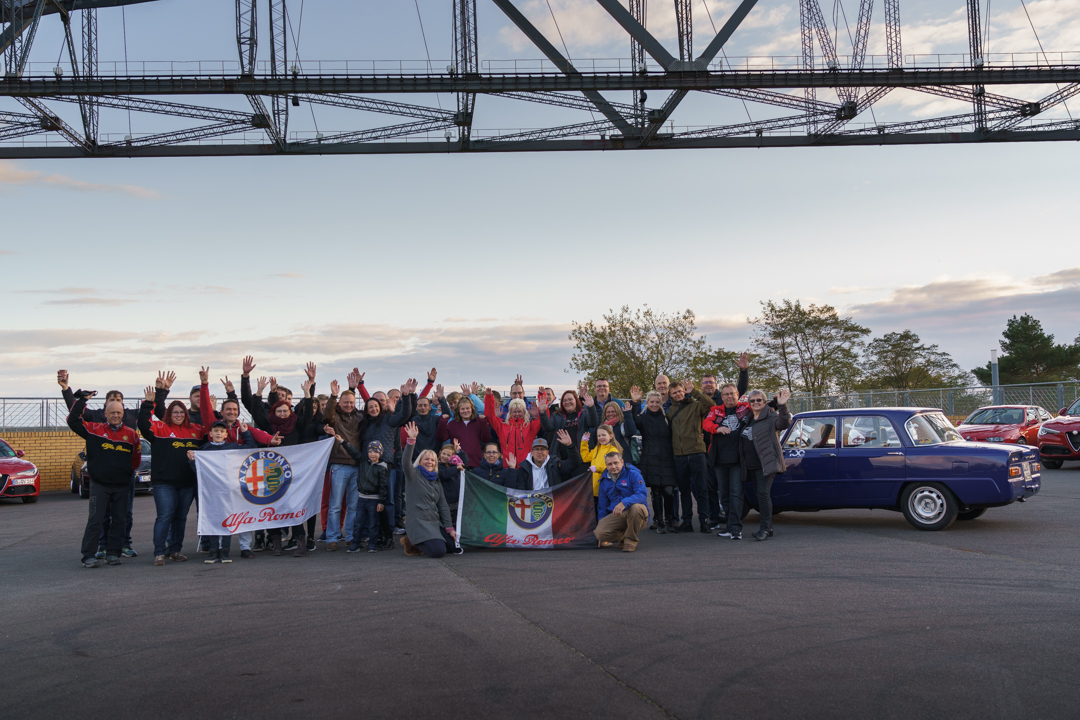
(50, 414)
(954, 401)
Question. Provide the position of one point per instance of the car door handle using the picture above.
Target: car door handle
(828, 454)
(895, 453)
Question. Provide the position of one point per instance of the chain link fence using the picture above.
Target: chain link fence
(50, 414)
(953, 401)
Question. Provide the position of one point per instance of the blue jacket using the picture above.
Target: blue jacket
(628, 489)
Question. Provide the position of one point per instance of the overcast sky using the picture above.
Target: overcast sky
(478, 265)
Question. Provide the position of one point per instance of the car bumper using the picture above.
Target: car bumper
(12, 487)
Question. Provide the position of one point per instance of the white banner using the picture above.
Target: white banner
(260, 488)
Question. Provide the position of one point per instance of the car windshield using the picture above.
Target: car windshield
(145, 448)
(995, 416)
(931, 429)
(5, 450)
(1074, 409)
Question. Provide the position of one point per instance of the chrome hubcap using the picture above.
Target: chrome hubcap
(927, 505)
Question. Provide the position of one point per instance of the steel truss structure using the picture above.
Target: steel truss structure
(271, 88)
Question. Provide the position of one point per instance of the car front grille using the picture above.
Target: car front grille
(16, 490)
(1054, 450)
(1073, 439)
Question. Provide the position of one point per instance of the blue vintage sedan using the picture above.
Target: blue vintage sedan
(906, 459)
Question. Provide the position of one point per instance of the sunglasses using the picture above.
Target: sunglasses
(757, 400)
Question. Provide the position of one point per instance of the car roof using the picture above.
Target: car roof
(1004, 407)
(896, 412)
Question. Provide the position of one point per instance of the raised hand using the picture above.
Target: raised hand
(243, 426)
(475, 388)
(248, 364)
(688, 385)
(511, 461)
(148, 394)
(354, 378)
(744, 360)
(160, 382)
(586, 397)
(62, 379)
(170, 378)
(227, 383)
(204, 375)
(306, 385)
(432, 375)
(276, 440)
(457, 446)
(439, 394)
(334, 388)
(213, 402)
(411, 431)
(273, 384)
(261, 384)
(585, 436)
(519, 381)
(564, 438)
(411, 385)
(635, 394)
(464, 389)
(309, 370)
(783, 396)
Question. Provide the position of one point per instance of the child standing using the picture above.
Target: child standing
(605, 443)
(218, 439)
(373, 490)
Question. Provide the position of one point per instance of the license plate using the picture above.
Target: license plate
(1027, 471)
(144, 478)
(22, 481)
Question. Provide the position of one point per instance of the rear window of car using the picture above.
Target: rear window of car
(817, 432)
(996, 416)
(869, 431)
(931, 429)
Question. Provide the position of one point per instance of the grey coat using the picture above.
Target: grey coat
(766, 438)
(426, 511)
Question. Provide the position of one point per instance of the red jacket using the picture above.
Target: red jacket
(514, 436)
(207, 413)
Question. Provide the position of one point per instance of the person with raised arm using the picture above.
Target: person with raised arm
(718, 471)
(723, 425)
(345, 419)
(131, 415)
(657, 462)
(467, 426)
(492, 468)
(621, 422)
(541, 470)
(113, 452)
(575, 414)
(517, 432)
(760, 452)
(687, 410)
(218, 546)
(174, 476)
(429, 529)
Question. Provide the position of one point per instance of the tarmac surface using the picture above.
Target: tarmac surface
(842, 614)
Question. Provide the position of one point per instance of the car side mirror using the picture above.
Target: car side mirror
(82, 456)
(1062, 411)
(19, 453)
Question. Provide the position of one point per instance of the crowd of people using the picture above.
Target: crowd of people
(395, 464)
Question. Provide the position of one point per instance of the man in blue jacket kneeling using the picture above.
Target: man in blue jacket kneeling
(623, 512)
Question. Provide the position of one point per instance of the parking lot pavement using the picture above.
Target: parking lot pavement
(842, 614)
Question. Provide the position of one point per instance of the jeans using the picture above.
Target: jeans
(763, 486)
(342, 486)
(216, 541)
(106, 524)
(716, 501)
(663, 502)
(437, 548)
(172, 505)
(113, 499)
(245, 540)
(396, 506)
(690, 474)
(732, 494)
(366, 522)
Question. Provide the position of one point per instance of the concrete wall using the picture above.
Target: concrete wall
(52, 452)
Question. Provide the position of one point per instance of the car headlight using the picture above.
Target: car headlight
(1044, 431)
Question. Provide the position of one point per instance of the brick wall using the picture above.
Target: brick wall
(52, 452)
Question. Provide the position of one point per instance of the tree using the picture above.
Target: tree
(1029, 355)
(899, 361)
(811, 348)
(633, 348)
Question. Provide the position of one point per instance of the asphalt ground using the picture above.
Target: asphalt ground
(842, 614)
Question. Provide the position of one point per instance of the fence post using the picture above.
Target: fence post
(1061, 396)
(952, 403)
(907, 399)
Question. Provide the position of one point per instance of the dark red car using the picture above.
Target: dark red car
(18, 478)
(1059, 439)
(1016, 424)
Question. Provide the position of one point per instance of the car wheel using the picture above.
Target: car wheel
(970, 514)
(929, 506)
(30, 499)
(74, 483)
(84, 492)
(1052, 464)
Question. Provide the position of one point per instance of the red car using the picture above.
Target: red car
(18, 477)
(1059, 439)
(1016, 424)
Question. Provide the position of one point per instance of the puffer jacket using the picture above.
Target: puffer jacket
(766, 431)
(685, 418)
(657, 462)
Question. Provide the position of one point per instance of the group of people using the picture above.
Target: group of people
(395, 464)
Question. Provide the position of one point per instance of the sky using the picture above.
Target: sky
(479, 265)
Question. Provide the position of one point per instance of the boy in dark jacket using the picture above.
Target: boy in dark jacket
(491, 468)
(373, 490)
(218, 439)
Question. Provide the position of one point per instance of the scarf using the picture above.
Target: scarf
(431, 475)
(284, 426)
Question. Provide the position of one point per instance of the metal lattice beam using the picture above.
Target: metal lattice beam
(467, 59)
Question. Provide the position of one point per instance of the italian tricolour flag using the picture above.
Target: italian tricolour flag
(493, 516)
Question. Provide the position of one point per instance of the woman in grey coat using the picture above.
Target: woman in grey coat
(760, 453)
(429, 530)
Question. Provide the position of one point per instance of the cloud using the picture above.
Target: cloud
(80, 296)
(289, 275)
(7, 252)
(13, 176)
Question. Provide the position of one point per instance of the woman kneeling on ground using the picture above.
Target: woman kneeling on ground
(428, 528)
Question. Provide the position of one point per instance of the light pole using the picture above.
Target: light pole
(994, 376)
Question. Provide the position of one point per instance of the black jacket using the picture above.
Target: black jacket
(450, 477)
(765, 432)
(304, 417)
(657, 462)
(558, 471)
(131, 415)
(169, 445)
(373, 479)
(112, 454)
(249, 442)
(496, 474)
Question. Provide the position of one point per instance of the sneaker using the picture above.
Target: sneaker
(212, 558)
(736, 536)
(652, 525)
(371, 550)
(685, 527)
(129, 552)
(714, 527)
(661, 529)
(177, 557)
(761, 535)
(247, 555)
(353, 549)
(159, 559)
(399, 531)
(322, 538)
(705, 528)
(225, 556)
(91, 562)
(112, 559)
(291, 545)
(100, 554)
(331, 546)
(311, 545)
(258, 545)
(769, 532)
(726, 534)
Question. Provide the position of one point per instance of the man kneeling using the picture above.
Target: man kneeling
(623, 512)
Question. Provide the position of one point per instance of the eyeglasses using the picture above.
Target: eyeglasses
(757, 400)
(491, 452)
